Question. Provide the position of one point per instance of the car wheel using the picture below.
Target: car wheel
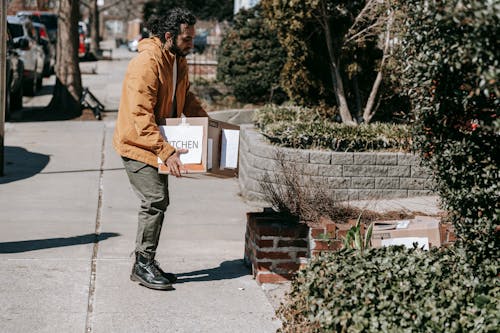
(16, 99)
(39, 82)
(7, 106)
(31, 86)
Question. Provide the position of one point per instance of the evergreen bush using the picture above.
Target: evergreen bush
(305, 128)
(251, 58)
(451, 69)
(391, 289)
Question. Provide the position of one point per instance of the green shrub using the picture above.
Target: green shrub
(392, 289)
(306, 128)
(251, 58)
(355, 31)
(450, 56)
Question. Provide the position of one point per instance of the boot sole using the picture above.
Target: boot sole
(149, 285)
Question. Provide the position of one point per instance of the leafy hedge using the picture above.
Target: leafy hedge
(304, 128)
(451, 72)
(392, 290)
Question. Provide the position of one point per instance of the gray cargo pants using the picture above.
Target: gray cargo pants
(152, 190)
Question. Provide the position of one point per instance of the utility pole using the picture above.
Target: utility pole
(3, 77)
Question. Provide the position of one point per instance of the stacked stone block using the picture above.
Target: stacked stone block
(345, 176)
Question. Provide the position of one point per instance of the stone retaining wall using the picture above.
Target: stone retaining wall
(346, 176)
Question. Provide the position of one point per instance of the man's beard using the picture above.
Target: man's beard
(177, 51)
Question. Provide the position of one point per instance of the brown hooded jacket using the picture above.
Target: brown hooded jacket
(146, 101)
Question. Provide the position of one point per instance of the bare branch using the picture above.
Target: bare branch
(371, 15)
(109, 5)
(365, 31)
(361, 14)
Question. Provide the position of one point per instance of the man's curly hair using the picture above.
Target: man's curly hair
(171, 22)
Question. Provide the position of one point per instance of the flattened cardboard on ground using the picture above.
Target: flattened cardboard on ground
(212, 145)
(420, 226)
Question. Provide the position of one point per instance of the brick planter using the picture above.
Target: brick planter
(275, 247)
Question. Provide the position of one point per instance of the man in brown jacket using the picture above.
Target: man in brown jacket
(156, 86)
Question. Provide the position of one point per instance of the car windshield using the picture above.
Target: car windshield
(16, 30)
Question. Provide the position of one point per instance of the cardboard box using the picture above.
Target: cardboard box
(218, 144)
(422, 229)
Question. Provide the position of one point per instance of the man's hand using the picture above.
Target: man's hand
(174, 163)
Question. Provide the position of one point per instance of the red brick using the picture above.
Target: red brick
(329, 245)
(273, 278)
(292, 243)
(342, 230)
(315, 253)
(268, 229)
(263, 266)
(316, 232)
(288, 267)
(451, 236)
(351, 222)
(272, 255)
(319, 245)
(301, 254)
(330, 230)
(264, 243)
(443, 231)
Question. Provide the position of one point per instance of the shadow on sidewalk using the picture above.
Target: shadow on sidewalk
(227, 270)
(42, 113)
(39, 244)
(21, 164)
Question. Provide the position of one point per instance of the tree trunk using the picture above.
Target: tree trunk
(94, 28)
(68, 88)
(338, 85)
(369, 111)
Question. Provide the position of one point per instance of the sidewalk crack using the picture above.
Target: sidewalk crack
(95, 248)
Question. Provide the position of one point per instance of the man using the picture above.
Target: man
(156, 86)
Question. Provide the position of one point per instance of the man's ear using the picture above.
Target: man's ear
(168, 36)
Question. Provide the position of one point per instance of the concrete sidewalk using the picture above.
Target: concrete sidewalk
(64, 185)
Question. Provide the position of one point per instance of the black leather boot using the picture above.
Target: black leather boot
(169, 276)
(147, 274)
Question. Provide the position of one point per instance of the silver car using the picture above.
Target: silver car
(24, 39)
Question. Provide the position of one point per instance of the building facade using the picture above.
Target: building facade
(239, 4)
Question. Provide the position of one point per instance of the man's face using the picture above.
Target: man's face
(184, 43)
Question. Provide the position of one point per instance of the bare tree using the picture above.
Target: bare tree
(68, 88)
(374, 20)
(94, 22)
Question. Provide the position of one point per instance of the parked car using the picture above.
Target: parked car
(200, 41)
(134, 43)
(83, 40)
(46, 18)
(8, 78)
(48, 48)
(14, 79)
(31, 53)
